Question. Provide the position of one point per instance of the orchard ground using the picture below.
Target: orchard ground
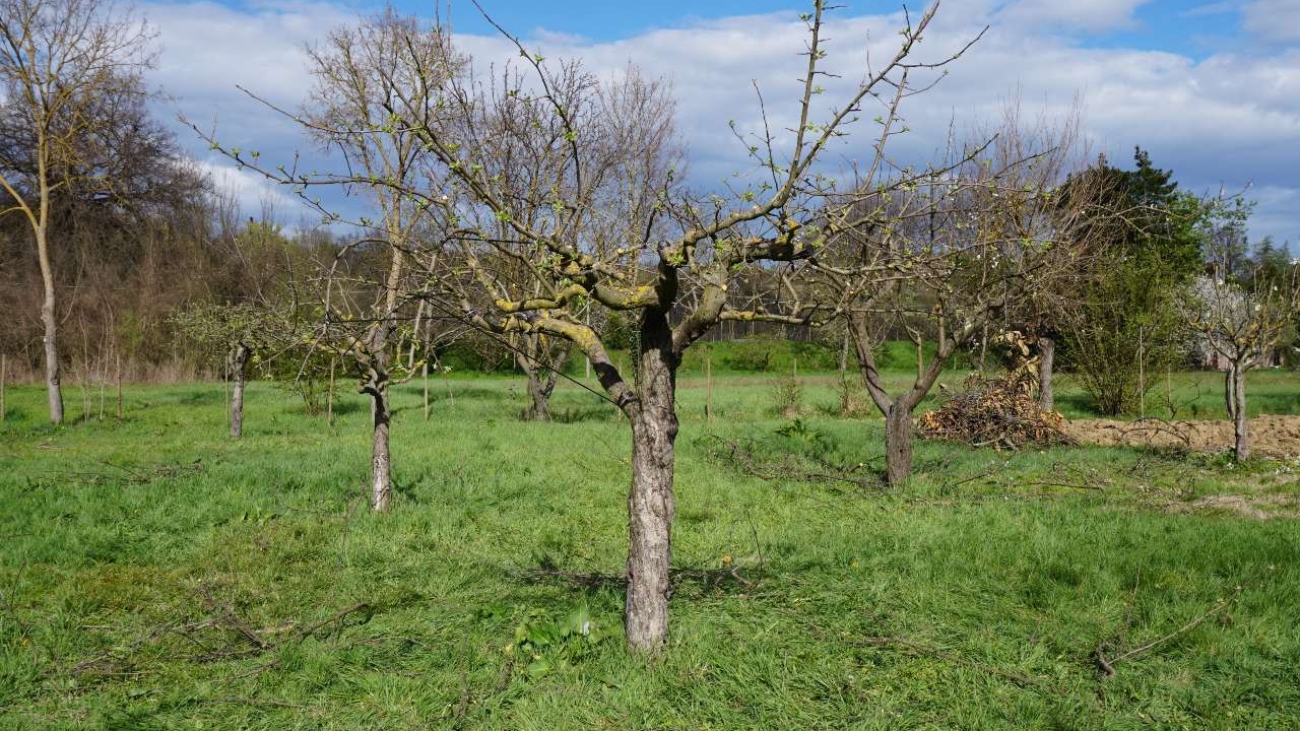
(155, 574)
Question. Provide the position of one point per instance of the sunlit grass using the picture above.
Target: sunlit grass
(975, 597)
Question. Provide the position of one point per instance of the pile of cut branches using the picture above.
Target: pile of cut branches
(1000, 413)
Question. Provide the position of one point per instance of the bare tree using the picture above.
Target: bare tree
(60, 60)
(604, 221)
(960, 241)
(361, 82)
(1241, 325)
(238, 334)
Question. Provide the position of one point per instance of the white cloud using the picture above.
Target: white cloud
(1228, 118)
(1093, 16)
(1273, 19)
(251, 190)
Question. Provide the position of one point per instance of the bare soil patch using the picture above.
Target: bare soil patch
(1273, 436)
(1257, 507)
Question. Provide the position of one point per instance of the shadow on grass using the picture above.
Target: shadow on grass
(687, 581)
(580, 414)
(438, 392)
(202, 397)
(351, 407)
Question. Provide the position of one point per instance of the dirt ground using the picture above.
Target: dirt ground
(1272, 436)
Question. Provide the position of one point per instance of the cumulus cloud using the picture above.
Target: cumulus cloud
(250, 190)
(1230, 118)
(1273, 19)
(1091, 17)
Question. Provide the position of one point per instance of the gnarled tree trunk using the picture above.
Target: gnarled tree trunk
(898, 441)
(239, 358)
(1046, 362)
(540, 386)
(381, 466)
(543, 365)
(651, 504)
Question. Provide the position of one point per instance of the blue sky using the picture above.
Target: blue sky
(1210, 87)
(1194, 28)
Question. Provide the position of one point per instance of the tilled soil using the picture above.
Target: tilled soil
(1272, 436)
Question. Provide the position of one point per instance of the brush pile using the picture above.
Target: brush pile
(1001, 413)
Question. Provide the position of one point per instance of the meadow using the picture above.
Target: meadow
(155, 574)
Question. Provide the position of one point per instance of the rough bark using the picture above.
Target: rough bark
(381, 466)
(542, 365)
(650, 501)
(1241, 438)
(239, 371)
(898, 442)
(540, 387)
(1046, 362)
(376, 386)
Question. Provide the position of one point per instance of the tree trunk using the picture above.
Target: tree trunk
(898, 442)
(239, 368)
(1230, 393)
(539, 396)
(50, 321)
(650, 500)
(381, 481)
(1047, 356)
(1240, 437)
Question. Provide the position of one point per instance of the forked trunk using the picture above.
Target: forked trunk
(898, 442)
(543, 363)
(1047, 356)
(540, 387)
(650, 500)
(381, 482)
(239, 371)
(1241, 439)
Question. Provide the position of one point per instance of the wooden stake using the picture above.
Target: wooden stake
(4, 377)
(451, 396)
(85, 374)
(1169, 389)
(1142, 380)
(103, 376)
(119, 386)
(329, 399)
(708, 386)
(85, 393)
(225, 379)
(424, 372)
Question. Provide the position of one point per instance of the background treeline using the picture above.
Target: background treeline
(126, 273)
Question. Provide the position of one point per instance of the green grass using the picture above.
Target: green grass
(131, 554)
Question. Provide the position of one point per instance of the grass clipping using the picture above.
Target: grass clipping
(1001, 413)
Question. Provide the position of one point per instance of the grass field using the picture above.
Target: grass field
(156, 575)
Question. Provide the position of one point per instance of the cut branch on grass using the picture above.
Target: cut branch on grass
(791, 467)
(1156, 425)
(235, 638)
(1020, 679)
(1106, 666)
